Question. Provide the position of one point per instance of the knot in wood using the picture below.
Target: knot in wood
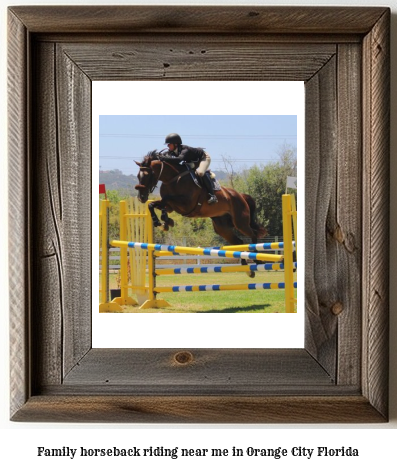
(337, 308)
(348, 240)
(183, 358)
(338, 235)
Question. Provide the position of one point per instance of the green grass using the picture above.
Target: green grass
(218, 301)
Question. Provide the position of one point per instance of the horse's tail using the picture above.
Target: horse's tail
(258, 228)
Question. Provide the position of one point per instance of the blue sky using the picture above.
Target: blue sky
(244, 139)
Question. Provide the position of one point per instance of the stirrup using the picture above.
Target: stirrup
(213, 199)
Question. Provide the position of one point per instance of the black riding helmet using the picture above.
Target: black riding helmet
(173, 138)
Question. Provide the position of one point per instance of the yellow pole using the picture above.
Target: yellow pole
(142, 228)
(105, 249)
(150, 258)
(105, 305)
(294, 219)
(123, 251)
(288, 260)
(152, 302)
(100, 244)
(124, 298)
(200, 251)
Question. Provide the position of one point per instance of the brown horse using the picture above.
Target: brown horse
(179, 193)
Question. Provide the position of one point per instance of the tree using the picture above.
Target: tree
(193, 232)
(266, 184)
(115, 196)
(231, 174)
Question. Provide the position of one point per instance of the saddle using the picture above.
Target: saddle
(191, 170)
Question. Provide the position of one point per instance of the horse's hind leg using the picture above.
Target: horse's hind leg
(241, 222)
(224, 227)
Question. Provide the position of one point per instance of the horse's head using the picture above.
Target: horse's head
(146, 177)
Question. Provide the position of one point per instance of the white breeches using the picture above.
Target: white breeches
(204, 165)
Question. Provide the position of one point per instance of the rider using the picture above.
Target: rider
(187, 154)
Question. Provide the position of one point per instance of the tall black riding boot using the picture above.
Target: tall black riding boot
(209, 186)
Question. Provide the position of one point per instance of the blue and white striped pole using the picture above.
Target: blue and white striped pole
(219, 269)
(200, 251)
(250, 286)
(257, 247)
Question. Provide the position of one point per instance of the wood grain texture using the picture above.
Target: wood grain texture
(74, 179)
(341, 375)
(208, 59)
(19, 224)
(62, 196)
(198, 409)
(376, 90)
(333, 215)
(47, 298)
(346, 230)
(320, 176)
(229, 370)
(196, 19)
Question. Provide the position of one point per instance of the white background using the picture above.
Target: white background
(19, 442)
(228, 330)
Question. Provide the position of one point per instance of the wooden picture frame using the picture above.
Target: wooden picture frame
(342, 54)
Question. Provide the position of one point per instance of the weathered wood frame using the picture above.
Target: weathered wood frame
(342, 54)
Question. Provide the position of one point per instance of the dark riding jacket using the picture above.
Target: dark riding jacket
(185, 154)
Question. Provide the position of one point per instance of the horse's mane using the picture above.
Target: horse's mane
(149, 157)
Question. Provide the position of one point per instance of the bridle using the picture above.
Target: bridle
(151, 172)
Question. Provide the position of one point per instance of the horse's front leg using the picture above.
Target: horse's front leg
(165, 209)
(168, 222)
(152, 206)
(160, 205)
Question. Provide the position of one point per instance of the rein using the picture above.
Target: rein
(177, 177)
(173, 179)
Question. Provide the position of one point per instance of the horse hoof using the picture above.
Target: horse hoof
(171, 222)
(251, 274)
(164, 227)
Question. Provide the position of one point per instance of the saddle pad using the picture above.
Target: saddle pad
(217, 185)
